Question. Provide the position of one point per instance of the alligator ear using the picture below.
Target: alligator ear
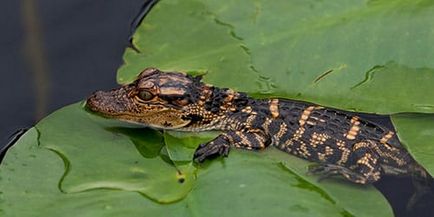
(148, 72)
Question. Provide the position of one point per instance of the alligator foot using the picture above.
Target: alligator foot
(211, 149)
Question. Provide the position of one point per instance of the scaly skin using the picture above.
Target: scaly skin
(341, 144)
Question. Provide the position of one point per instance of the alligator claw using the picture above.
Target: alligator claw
(212, 149)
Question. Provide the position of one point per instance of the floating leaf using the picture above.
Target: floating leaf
(416, 131)
(101, 153)
(369, 56)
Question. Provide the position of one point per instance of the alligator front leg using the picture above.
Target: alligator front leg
(250, 140)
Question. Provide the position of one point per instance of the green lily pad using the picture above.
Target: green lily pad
(260, 168)
(94, 149)
(205, 49)
(369, 56)
(416, 131)
(181, 145)
(253, 183)
(29, 186)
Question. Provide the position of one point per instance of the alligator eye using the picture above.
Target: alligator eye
(145, 95)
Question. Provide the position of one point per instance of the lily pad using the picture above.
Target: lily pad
(181, 145)
(368, 56)
(259, 168)
(29, 183)
(416, 131)
(94, 149)
(253, 183)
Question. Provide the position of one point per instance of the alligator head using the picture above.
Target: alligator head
(167, 100)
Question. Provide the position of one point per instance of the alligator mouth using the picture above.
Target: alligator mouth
(153, 119)
(96, 111)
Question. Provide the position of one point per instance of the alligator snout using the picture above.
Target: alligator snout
(108, 102)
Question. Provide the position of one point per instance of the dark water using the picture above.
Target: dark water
(76, 47)
(82, 44)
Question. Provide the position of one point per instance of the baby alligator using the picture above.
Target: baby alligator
(341, 143)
